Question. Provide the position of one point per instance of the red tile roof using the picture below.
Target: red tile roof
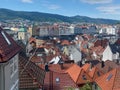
(78, 74)
(65, 42)
(56, 72)
(93, 72)
(57, 67)
(74, 72)
(86, 67)
(110, 81)
(102, 43)
(8, 47)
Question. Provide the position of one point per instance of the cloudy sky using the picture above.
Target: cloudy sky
(93, 8)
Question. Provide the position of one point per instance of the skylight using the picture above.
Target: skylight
(5, 37)
(109, 77)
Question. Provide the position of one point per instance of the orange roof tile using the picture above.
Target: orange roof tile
(95, 73)
(106, 81)
(78, 75)
(74, 72)
(86, 67)
(57, 67)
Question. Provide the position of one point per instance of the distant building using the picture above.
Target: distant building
(110, 53)
(22, 34)
(108, 30)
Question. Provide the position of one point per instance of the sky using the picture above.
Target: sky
(109, 9)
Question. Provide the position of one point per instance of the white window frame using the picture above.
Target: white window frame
(14, 85)
(12, 65)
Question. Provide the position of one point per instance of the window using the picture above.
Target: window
(13, 66)
(15, 85)
(84, 77)
(57, 80)
(98, 73)
(5, 37)
(11, 69)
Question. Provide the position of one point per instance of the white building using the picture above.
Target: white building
(108, 30)
(110, 54)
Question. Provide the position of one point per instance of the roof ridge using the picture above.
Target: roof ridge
(80, 73)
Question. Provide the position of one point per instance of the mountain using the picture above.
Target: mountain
(6, 14)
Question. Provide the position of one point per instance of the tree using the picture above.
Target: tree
(87, 86)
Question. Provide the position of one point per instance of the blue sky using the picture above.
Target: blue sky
(93, 8)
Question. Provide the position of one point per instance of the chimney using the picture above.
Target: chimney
(102, 64)
(80, 63)
(91, 66)
(46, 67)
(61, 65)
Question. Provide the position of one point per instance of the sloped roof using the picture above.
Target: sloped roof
(92, 71)
(95, 73)
(65, 42)
(108, 65)
(110, 81)
(86, 67)
(8, 47)
(78, 74)
(102, 43)
(74, 72)
(31, 76)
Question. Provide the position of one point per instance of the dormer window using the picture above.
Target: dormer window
(5, 37)
(84, 77)
(98, 73)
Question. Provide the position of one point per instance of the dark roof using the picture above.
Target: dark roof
(8, 47)
(30, 76)
(102, 43)
(114, 48)
(108, 65)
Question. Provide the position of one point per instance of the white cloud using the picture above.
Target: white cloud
(113, 9)
(96, 1)
(27, 1)
(53, 7)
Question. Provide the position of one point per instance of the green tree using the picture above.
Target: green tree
(87, 86)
